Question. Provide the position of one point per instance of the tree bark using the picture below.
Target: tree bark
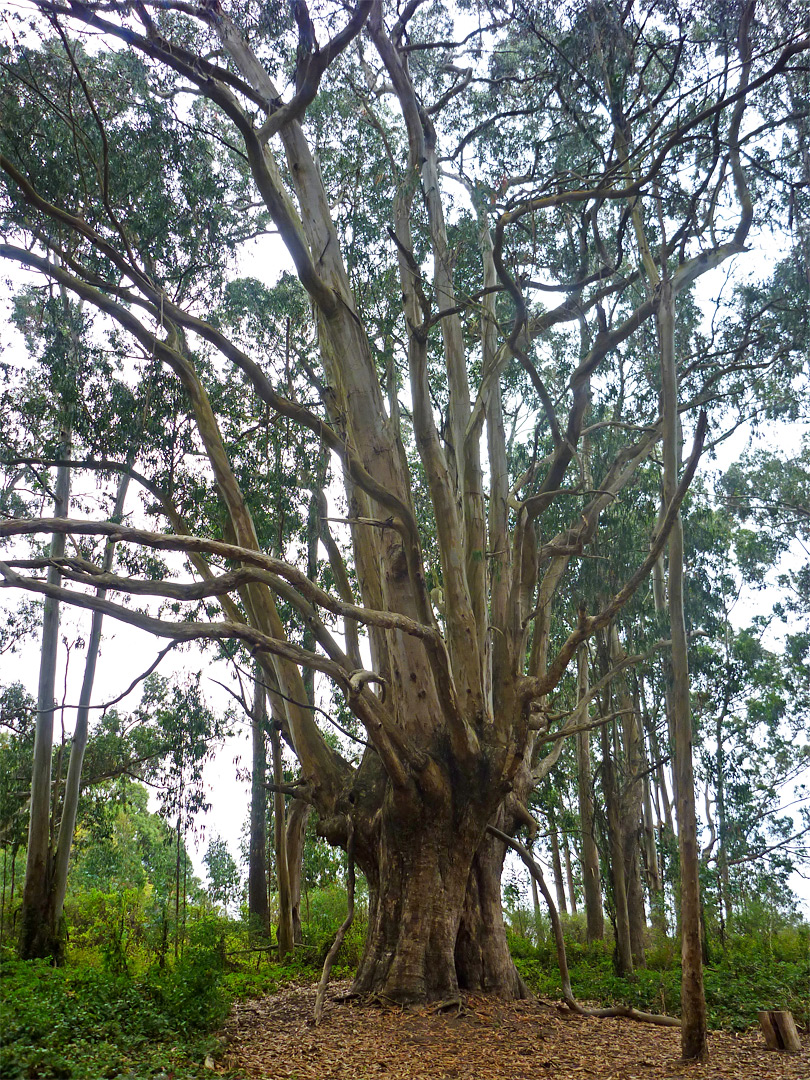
(556, 863)
(727, 911)
(631, 801)
(694, 1044)
(38, 933)
(426, 843)
(284, 930)
(258, 909)
(70, 806)
(482, 957)
(569, 872)
(624, 951)
(297, 820)
(591, 879)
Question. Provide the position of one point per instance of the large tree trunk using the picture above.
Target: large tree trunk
(483, 960)
(39, 935)
(419, 873)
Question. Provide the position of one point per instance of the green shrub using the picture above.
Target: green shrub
(324, 912)
(753, 973)
(86, 1023)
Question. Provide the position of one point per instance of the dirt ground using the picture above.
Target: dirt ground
(274, 1038)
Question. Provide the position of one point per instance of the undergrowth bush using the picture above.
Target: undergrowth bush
(750, 973)
(85, 1024)
(123, 1009)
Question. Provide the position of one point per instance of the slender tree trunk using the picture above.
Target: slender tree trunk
(177, 880)
(636, 914)
(693, 1002)
(284, 930)
(538, 919)
(647, 817)
(569, 873)
(591, 879)
(556, 863)
(722, 835)
(631, 801)
(655, 884)
(78, 744)
(37, 937)
(3, 901)
(624, 951)
(13, 876)
(258, 910)
(296, 833)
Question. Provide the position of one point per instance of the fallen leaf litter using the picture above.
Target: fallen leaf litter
(273, 1038)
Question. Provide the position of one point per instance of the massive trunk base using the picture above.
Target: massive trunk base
(414, 913)
(483, 960)
(435, 918)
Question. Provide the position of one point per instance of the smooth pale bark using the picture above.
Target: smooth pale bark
(591, 878)
(258, 909)
(722, 834)
(556, 863)
(78, 744)
(694, 1045)
(651, 867)
(39, 936)
(654, 880)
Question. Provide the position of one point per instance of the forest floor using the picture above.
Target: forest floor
(274, 1038)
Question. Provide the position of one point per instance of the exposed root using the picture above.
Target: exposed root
(450, 1003)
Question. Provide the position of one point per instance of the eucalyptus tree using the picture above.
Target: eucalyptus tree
(489, 219)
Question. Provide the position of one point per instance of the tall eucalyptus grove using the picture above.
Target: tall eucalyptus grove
(498, 217)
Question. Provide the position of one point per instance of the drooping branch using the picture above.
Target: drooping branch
(562, 958)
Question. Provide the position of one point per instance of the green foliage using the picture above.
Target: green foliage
(115, 1011)
(324, 910)
(84, 1023)
(755, 971)
(224, 879)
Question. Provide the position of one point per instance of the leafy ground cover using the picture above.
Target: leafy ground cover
(85, 1024)
(90, 1020)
